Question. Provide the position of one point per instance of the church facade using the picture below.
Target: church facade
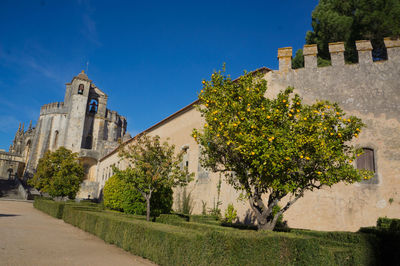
(81, 123)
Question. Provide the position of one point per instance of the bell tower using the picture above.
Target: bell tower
(76, 98)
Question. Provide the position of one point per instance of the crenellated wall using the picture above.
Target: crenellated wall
(370, 90)
(53, 108)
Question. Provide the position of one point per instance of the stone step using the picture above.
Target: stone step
(9, 190)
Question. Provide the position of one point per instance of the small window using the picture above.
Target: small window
(93, 106)
(367, 161)
(80, 89)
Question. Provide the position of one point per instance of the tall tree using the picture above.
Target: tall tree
(152, 166)
(348, 21)
(275, 147)
(59, 173)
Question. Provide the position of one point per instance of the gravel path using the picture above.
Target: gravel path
(30, 237)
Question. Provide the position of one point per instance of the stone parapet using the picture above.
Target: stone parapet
(364, 49)
(310, 52)
(393, 48)
(336, 49)
(53, 108)
(285, 58)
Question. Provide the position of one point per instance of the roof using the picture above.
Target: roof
(179, 112)
(82, 76)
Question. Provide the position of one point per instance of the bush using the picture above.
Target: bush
(59, 174)
(52, 208)
(230, 214)
(388, 224)
(190, 244)
(172, 218)
(121, 196)
(172, 245)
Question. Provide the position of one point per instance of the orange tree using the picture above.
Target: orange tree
(270, 148)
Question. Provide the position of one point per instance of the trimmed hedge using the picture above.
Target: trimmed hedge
(56, 208)
(171, 245)
(53, 208)
(188, 243)
(388, 224)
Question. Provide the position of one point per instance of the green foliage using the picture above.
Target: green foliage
(206, 219)
(191, 243)
(230, 213)
(56, 208)
(58, 173)
(215, 210)
(388, 224)
(152, 167)
(50, 207)
(122, 196)
(298, 59)
(203, 207)
(200, 245)
(113, 193)
(172, 218)
(275, 210)
(387, 233)
(277, 147)
(348, 21)
(184, 202)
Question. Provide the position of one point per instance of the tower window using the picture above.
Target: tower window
(80, 89)
(93, 106)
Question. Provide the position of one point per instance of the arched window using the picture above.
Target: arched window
(81, 89)
(93, 106)
(367, 161)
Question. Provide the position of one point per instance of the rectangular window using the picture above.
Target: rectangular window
(367, 161)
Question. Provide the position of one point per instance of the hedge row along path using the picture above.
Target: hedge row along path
(30, 237)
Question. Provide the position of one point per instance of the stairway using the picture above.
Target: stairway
(9, 190)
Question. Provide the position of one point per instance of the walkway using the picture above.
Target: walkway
(30, 237)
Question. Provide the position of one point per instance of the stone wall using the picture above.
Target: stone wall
(367, 89)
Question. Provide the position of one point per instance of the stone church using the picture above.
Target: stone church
(81, 123)
(368, 89)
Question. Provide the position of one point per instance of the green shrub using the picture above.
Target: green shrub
(230, 214)
(205, 219)
(184, 201)
(389, 224)
(178, 245)
(191, 243)
(121, 196)
(53, 208)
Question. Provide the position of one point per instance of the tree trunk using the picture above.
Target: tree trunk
(265, 219)
(267, 224)
(148, 208)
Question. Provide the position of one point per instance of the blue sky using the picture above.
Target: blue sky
(148, 56)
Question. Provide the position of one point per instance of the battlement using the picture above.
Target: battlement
(50, 108)
(113, 116)
(336, 51)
